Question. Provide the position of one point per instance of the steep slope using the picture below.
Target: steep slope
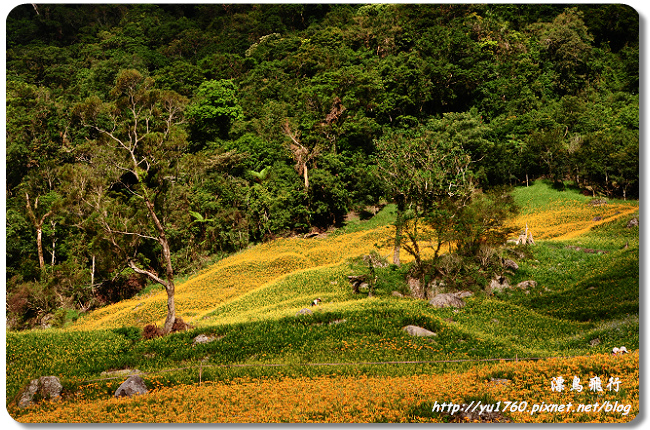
(276, 279)
(238, 275)
(584, 303)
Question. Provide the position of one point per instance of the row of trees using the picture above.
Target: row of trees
(145, 140)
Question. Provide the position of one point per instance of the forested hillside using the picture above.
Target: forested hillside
(145, 141)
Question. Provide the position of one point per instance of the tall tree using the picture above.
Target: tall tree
(301, 153)
(38, 219)
(428, 174)
(139, 140)
(214, 111)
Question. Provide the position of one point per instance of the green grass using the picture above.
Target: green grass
(386, 216)
(541, 194)
(65, 354)
(579, 297)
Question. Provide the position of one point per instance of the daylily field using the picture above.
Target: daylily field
(350, 361)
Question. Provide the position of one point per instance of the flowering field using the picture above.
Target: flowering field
(525, 393)
(270, 364)
(550, 214)
(278, 278)
(235, 276)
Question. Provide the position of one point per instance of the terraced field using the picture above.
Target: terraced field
(586, 301)
(277, 279)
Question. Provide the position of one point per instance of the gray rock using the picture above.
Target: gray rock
(597, 202)
(414, 330)
(45, 387)
(510, 264)
(447, 300)
(131, 387)
(202, 338)
(46, 321)
(463, 294)
(304, 311)
(498, 284)
(527, 284)
(634, 222)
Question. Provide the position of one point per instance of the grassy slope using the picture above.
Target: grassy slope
(250, 302)
(367, 398)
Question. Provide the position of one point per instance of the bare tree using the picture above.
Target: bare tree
(43, 202)
(138, 138)
(37, 221)
(301, 154)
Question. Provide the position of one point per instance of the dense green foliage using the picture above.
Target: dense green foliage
(280, 110)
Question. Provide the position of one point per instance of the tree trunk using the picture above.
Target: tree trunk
(396, 260)
(39, 246)
(171, 307)
(53, 224)
(38, 224)
(398, 230)
(170, 287)
(169, 268)
(92, 274)
(306, 176)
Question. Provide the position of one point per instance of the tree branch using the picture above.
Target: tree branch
(144, 236)
(149, 274)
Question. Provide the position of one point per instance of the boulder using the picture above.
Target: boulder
(499, 381)
(397, 294)
(46, 321)
(414, 330)
(45, 387)
(447, 300)
(510, 264)
(202, 338)
(598, 202)
(500, 283)
(634, 222)
(463, 294)
(527, 284)
(131, 387)
(304, 311)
